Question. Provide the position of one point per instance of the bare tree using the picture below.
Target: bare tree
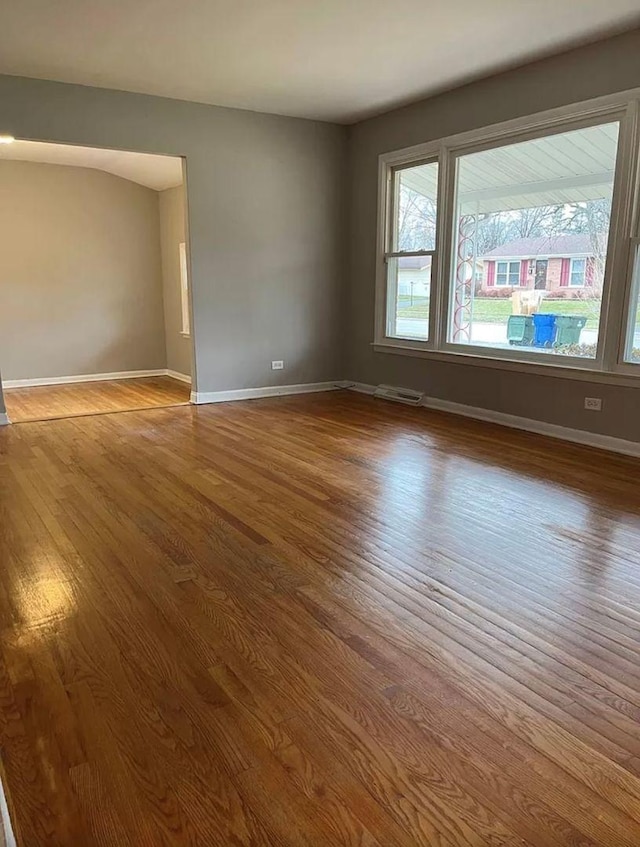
(537, 221)
(493, 230)
(417, 216)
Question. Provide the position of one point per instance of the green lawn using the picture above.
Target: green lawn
(490, 310)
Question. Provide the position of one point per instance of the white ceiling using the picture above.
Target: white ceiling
(336, 60)
(157, 172)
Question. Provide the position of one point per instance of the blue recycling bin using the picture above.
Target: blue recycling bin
(544, 330)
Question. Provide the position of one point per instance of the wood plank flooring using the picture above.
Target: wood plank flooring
(317, 621)
(44, 402)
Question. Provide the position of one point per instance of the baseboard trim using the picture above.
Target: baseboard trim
(103, 377)
(64, 380)
(179, 376)
(202, 397)
(576, 436)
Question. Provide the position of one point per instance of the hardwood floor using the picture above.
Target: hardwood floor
(44, 402)
(321, 620)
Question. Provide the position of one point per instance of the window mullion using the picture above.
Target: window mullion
(398, 254)
(446, 195)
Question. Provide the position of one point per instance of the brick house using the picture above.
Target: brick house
(564, 266)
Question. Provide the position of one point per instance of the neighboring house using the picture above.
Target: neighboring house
(414, 276)
(564, 266)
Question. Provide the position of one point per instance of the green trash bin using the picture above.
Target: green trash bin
(568, 329)
(520, 330)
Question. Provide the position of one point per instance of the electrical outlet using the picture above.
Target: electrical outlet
(277, 366)
(593, 404)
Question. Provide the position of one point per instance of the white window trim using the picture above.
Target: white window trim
(389, 240)
(609, 364)
(582, 284)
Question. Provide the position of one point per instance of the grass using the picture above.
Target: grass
(495, 311)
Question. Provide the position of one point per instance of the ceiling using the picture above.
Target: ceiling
(336, 60)
(157, 172)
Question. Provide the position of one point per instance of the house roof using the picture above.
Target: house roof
(414, 263)
(548, 245)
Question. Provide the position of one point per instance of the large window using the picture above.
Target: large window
(543, 201)
(502, 244)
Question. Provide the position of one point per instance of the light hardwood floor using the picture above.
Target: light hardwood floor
(44, 402)
(323, 620)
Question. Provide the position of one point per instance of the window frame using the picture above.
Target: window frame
(609, 363)
(390, 236)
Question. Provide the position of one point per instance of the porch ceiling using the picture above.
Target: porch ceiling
(565, 168)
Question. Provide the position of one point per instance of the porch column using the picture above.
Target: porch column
(465, 278)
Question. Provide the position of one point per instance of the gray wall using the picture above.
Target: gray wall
(80, 275)
(172, 233)
(604, 68)
(265, 215)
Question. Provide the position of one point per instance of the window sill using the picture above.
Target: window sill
(553, 370)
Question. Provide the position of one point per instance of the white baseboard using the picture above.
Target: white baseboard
(177, 375)
(64, 380)
(104, 377)
(201, 397)
(577, 436)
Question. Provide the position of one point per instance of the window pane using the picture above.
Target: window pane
(409, 289)
(184, 289)
(415, 209)
(530, 241)
(578, 269)
(633, 340)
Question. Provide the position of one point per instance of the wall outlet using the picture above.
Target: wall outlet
(277, 366)
(593, 404)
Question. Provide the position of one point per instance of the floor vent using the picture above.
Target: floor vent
(399, 395)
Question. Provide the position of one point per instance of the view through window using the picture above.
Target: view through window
(184, 289)
(530, 243)
(414, 232)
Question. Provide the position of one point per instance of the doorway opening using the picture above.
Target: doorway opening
(95, 305)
